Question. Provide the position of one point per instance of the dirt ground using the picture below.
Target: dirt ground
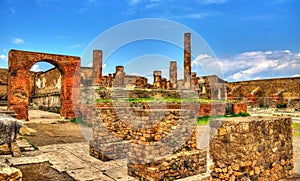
(42, 171)
(47, 134)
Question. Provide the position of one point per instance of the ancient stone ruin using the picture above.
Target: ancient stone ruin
(251, 148)
(20, 63)
(154, 125)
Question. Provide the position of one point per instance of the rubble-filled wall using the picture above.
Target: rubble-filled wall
(160, 144)
(282, 90)
(251, 148)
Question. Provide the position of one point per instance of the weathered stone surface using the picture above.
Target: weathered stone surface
(10, 173)
(97, 67)
(9, 127)
(20, 63)
(251, 148)
(187, 61)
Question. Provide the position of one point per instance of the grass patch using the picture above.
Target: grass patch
(296, 133)
(205, 119)
(296, 126)
(80, 121)
(33, 146)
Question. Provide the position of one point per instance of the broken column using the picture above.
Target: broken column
(163, 83)
(173, 74)
(194, 81)
(119, 76)
(97, 66)
(109, 80)
(187, 60)
(157, 79)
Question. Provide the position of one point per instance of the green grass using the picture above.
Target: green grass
(80, 121)
(296, 129)
(167, 100)
(33, 146)
(205, 119)
(296, 126)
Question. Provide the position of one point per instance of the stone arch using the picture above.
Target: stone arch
(20, 62)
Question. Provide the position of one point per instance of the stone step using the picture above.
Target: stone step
(10, 113)
(3, 103)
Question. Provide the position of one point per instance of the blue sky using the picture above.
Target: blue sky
(250, 39)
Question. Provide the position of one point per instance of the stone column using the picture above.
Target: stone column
(145, 82)
(157, 79)
(109, 80)
(173, 74)
(194, 81)
(139, 82)
(119, 76)
(97, 66)
(187, 60)
(163, 83)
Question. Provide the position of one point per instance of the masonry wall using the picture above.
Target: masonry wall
(288, 88)
(251, 148)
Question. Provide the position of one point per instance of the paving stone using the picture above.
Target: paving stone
(64, 160)
(119, 174)
(85, 174)
(27, 160)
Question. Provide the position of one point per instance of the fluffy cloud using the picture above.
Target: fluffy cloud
(260, 64)
(35, 68)
(17, 41)
(3, 57)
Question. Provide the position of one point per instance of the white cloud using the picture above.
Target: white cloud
(259, 64)
(3, 57)
(78, 45)
(296, 75)
(104, 65)
(35, 68)
(17, 41)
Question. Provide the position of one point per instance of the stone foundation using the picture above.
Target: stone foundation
(159, 141)
(10, 173)
(179, 165)
(251, 148)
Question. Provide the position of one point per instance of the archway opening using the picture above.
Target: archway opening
(45, 82)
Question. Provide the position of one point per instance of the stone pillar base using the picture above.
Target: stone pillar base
(180, 165)
(110, 151)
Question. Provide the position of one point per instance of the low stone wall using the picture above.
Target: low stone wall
(251, 148)
(47, 102)
(174, 167)
(160, 144)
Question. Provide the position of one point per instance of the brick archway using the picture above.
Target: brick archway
(20, 62)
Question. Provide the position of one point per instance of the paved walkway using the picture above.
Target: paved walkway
(74, 159)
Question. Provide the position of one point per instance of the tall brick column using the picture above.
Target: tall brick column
(187, 60)
(97, 66)
(119, 76)
(173, 74)
(157, 79)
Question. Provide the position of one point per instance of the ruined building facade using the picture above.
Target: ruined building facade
(45, 86)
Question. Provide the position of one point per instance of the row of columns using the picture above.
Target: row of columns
(117, 79)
